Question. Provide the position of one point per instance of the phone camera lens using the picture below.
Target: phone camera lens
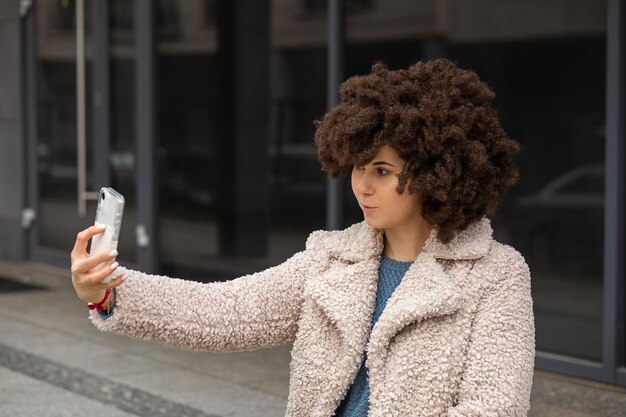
(103, 196)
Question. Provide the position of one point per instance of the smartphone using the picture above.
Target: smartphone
(109, 213)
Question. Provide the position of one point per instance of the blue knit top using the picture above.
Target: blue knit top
(390, 273)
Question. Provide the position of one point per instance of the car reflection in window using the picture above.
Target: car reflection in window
(561, 226)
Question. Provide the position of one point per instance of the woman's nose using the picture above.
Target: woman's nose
(364, 185)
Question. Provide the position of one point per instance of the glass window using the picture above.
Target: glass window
(193, 187)
(56, 112)
(297, 98)
(547, 67)
(57, 121)
(187, 114)
(123, 140)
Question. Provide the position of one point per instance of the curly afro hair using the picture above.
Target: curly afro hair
(439, 118)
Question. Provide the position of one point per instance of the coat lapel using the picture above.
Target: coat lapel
(346, 291)
(346, 294)
(426, 291)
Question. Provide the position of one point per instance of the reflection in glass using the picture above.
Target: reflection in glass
(188, 151)
(123, 140)
(297, 98)
(554, 215)
(186, 154)
(58, 220)
(56, 120)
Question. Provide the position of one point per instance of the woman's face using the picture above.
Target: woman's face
(374, 186)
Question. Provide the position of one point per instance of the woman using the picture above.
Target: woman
(415, 311)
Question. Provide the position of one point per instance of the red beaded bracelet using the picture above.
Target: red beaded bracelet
(99, 306)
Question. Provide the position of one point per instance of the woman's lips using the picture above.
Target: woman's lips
(368, 209)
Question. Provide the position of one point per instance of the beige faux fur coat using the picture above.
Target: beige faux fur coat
(457, 337)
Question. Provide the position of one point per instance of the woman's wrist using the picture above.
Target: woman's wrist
(107, 308)
(95, 299)
(105, 303)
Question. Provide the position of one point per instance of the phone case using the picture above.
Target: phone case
(109, 213)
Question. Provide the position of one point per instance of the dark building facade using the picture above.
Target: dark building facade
(201, 113)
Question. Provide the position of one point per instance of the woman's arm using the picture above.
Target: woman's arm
(499, 372)
(250, 312)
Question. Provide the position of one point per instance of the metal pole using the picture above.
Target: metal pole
(101, 107)
(80, 106)
(28, 121)
(81, 112)
(146, 135)
(613, 314)
(336, 46)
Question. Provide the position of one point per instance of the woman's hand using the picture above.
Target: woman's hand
(87, 282)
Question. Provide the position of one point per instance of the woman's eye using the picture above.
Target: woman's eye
(382, 172)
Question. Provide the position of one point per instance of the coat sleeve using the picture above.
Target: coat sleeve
(250, 312)
(498, 376)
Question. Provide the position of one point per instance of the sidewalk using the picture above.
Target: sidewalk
(53, 362)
